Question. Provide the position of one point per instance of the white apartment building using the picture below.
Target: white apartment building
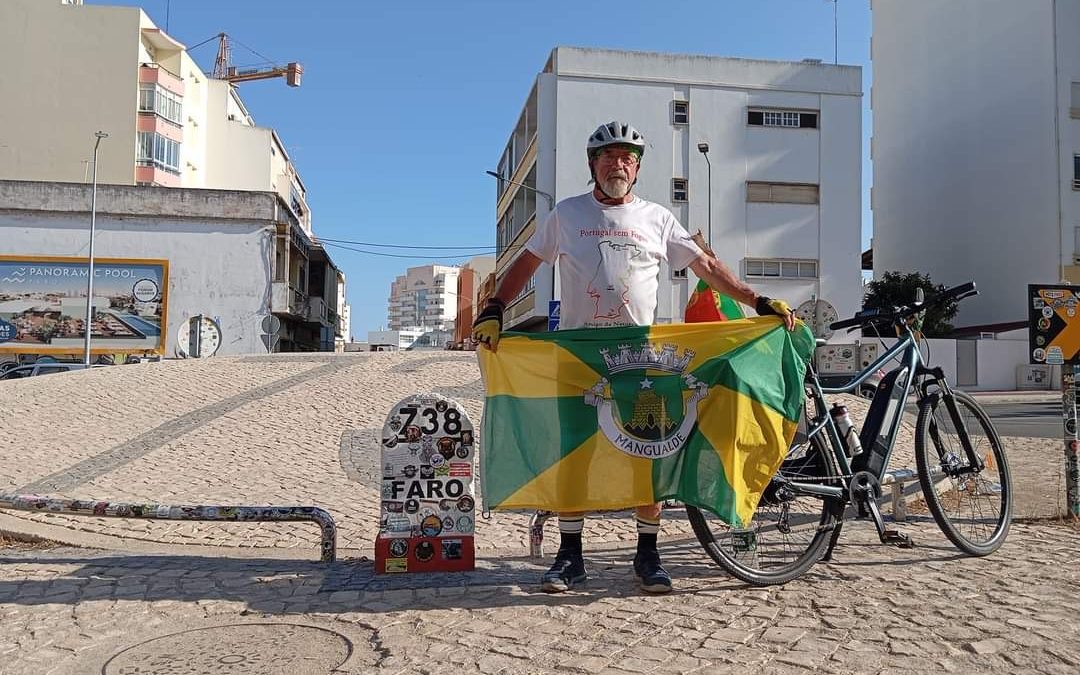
(424, 297)
(214, 246)
(76, 69)
(777, 192)
(976, 147)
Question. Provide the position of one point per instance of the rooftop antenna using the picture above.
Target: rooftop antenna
(834, 34)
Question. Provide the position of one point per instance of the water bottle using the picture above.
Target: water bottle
(846, 429)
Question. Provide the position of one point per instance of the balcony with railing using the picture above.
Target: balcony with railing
(154, 73)
(288, 299)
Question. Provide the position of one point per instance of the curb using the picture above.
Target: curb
(33, 531)
(21, 529)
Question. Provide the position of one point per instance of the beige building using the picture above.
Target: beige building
(424, 297)
(471, 292)
(169, 124)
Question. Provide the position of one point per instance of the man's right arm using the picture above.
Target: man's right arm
(521, 270)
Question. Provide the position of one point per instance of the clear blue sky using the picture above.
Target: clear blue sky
(404, 105)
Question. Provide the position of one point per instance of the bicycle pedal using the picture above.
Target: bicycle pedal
(897, 538)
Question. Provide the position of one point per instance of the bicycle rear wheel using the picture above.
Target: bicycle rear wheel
(788, 533)
(973, 508)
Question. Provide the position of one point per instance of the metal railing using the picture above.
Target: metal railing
(105, 509)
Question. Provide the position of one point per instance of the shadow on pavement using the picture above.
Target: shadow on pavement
(294, 586)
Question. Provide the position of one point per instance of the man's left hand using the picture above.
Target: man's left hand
(765, 306)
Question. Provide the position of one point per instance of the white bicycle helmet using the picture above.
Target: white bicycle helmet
(615, 133)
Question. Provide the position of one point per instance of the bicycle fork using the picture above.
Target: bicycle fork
(949, 465)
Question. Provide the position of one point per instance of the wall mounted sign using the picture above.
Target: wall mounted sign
(1053, 325)
(428, 504)
(198, 337)
(43, 305)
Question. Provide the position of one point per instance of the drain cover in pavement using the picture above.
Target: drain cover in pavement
(250, 648)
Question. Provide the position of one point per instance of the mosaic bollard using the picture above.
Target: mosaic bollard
(428, 504)
(1054, 340)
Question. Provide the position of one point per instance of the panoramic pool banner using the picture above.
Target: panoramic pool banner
(43, 305)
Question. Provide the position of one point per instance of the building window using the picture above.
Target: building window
(680, 112)
(162, 102)
(155, 150)
(781, 193)
(780, 268)
(788, 119)
(519, 213)
(1076, 172)
(678, 274)
(678, 190)
(296, 201)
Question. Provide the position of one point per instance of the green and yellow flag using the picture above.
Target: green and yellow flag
(596, 419)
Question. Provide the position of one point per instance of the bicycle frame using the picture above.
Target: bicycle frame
(823, 421)
(911, 359)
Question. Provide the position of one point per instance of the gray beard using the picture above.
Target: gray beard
(616, 188)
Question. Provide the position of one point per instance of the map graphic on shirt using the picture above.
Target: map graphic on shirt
(610, 285)
(609, 258)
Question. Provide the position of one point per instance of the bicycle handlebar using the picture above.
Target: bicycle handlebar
(869, 316)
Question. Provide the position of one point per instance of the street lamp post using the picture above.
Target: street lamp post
(550, 199)
(90, 271)
(704, 148)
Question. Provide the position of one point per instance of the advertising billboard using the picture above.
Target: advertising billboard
(43, 305)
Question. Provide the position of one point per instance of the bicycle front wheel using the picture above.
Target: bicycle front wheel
(973, 507)
(789, 530)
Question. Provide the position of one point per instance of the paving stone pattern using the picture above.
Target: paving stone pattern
(874, 609)
(299, 429)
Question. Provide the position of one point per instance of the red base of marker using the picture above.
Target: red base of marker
(395, 555)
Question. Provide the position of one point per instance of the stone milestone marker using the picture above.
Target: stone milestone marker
(428, 504)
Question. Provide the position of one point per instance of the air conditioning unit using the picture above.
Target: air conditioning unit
(1033, 377)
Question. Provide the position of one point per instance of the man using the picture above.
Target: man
(609, 244)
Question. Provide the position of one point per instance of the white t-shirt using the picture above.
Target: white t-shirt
(609, 258)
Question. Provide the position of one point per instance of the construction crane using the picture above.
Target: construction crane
(224, 71)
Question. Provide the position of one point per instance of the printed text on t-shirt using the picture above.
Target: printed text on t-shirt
(612, 233)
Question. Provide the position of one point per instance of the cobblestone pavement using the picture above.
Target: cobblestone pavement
(874, 609)
(301, 429)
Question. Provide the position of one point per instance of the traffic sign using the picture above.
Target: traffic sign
(1053, 324)
(554, 311)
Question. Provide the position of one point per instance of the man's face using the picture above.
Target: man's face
(616, 170)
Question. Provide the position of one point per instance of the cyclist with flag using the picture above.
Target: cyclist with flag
(609, 244)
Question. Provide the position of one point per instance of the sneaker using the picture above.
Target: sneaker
(650, 573)
(567, 571)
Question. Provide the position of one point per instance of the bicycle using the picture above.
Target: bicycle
(801, 513)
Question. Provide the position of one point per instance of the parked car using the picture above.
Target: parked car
(33, 369)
